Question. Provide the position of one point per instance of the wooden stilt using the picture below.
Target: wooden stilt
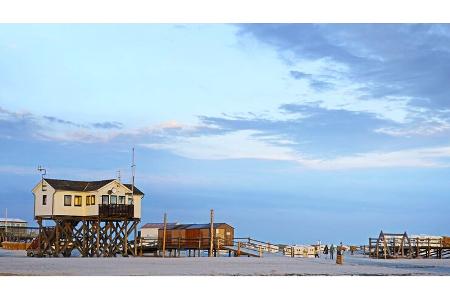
(135, 238)
(125, 240)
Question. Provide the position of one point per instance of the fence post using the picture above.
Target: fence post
(164, 236)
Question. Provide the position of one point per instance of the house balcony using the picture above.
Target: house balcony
(116, 210)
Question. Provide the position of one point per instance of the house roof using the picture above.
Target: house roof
(83, 186)
(197, 226)
(136, 190)
(158, 225)
(12, 220)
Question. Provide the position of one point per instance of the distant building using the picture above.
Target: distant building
(104, 198)
(150, 230)
(197, 235)
(11, 222)
(11, 228)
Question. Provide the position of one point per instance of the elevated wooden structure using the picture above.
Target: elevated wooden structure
(196, 246)
(95, 218)
(91, 236)
(400, 245)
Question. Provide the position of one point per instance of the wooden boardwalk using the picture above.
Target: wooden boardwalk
(396, 245)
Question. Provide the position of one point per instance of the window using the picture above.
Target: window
(121, 199)
(105, 199)
(44, 199)
(92, 200)
(77, 201)
(67, 200)
(130, 200)
(88, 200)
(113, 199)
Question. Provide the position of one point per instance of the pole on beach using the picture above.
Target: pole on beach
(211, 233)
(164, 236)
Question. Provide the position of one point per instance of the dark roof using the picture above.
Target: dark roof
(79, 186)
(136, 190)
(196, 226)
(83, 186)
(158, 225)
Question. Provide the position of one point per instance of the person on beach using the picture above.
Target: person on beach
(332, 251)
(325, 251)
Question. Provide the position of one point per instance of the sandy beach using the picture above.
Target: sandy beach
(17, 263)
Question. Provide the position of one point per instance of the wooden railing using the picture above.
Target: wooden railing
(201, 244)
(116, 210)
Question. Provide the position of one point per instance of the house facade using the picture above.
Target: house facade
(104, 198)
(150, 230)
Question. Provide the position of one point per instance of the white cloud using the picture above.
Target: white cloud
(236, 145)
(417, 158)
(245, 145)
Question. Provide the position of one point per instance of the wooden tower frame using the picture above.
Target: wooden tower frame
(91, 236)
(391, 245)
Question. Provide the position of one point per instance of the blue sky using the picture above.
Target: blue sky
(292, 133)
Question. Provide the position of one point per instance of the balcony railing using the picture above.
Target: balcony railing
(116, 210)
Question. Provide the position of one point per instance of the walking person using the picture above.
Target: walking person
(332, 251)
(325, 251)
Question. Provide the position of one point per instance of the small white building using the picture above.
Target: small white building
(57, 197)
(150, 230)
(12, 222)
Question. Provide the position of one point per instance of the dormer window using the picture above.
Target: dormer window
(44, 199)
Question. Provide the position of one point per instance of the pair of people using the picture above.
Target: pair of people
(330, 250)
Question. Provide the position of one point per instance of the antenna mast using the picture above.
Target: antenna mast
(133, 170)
(119, 176)
(43, 173)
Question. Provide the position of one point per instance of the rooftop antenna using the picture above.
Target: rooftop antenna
(118, 176)
(43, 173)
(133, 170)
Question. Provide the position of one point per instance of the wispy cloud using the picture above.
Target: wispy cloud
(108, 125)
(437, 157)
(242, 144)
(387, 60)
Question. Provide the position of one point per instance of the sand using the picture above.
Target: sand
(17, 263)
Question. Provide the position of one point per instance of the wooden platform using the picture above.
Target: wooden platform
(396, 245)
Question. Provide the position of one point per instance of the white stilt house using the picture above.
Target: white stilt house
(58, 198)
(95, 217)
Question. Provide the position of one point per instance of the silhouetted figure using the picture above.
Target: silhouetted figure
(332, 251)
(325, 250)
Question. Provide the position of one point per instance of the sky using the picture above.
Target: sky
(292, 133)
